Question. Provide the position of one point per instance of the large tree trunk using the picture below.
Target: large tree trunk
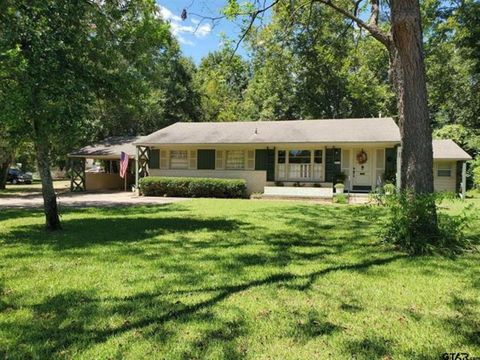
(4, 166)
(406, 55)
(48, 192)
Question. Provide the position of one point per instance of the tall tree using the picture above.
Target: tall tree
(11, 107)
(317, 66)
(72, 54)
(221, 79)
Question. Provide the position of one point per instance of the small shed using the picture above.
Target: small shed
(105, 174)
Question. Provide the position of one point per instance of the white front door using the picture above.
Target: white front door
(362, 167)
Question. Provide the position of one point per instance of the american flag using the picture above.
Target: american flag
(123, 164)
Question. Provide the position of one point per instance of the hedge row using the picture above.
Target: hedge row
(193, 187)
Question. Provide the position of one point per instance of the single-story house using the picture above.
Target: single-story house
(363, 153)
(106, 176)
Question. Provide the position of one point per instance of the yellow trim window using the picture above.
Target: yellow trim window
(178, 159)
(444, 170)
(235, 159)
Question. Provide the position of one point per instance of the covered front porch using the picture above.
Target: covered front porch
(360, 168)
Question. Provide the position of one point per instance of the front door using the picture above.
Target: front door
(362, 167)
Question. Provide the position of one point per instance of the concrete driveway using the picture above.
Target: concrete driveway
(86, 199)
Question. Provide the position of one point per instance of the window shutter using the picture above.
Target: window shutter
(192, 159)
(153, 159)
(250, 160)
(219, 159)
(206, 159)
(163, 159)
(261, 159)
(391, 160)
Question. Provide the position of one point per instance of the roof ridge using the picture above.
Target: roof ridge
(276, 121)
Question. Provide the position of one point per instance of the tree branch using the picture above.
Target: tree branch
(375, 11)
(373, 29)
(253, 17)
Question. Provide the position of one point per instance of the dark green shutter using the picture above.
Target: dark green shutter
(206, 159)
(390, 164)
(154, 159)
(265, 160)
(332, 164)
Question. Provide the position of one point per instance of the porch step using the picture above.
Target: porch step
(298, 192)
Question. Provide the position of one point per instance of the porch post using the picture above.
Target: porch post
(71, 174)
(399, 168)
(464, 179)
(136, 171)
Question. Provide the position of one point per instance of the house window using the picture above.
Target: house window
(281, 156)
(299, 157)
(235, 159)
(318, 156)
(444, 170)
(178, 159)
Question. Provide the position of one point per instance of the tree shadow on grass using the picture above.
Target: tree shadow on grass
(73, 320)
(87, 232)
(314, 325)
(466, 320)
(369, 348)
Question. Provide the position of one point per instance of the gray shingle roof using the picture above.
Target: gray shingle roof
(270, 132)
(448, 150)
(110, 148)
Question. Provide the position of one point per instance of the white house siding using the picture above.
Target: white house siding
(444, 183)
(256, 180)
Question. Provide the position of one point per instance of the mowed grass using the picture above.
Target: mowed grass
(34, 189)
(229, 279)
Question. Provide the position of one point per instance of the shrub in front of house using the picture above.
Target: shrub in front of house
(193, 187)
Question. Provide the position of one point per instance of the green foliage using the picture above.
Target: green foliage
(389, 189)
(409, 226)
(452, 65)
(340, 199)
(476, 175)
(110, 69)
(193, 187)
(312, 66)
(221, 79)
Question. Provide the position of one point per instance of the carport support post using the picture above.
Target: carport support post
(136, 170)
(464, 179)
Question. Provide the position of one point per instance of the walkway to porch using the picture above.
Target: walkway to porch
(298, 191)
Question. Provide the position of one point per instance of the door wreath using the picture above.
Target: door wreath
(362, 157)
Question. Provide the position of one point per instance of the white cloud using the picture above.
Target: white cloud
(184, 41)
(179, 30)
(168, 15)
(203, 30)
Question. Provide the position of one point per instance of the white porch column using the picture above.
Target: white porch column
(464, 179)
(399, 168)
(136, 171)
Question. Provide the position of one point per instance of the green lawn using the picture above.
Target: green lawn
(229, 279)
(34, 189)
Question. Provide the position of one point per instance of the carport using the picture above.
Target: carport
(105, 174)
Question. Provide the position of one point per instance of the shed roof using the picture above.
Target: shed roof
(448, 150)
(270, 132)
(110, 148)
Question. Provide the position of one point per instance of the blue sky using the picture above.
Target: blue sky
(197, 38)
